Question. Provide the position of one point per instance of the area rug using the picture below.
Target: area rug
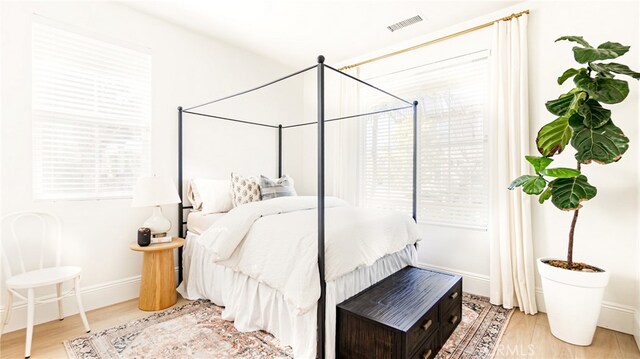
(479, 332)
(192, 330)
(196, 330)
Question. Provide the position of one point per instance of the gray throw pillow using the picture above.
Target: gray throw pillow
(281, 187)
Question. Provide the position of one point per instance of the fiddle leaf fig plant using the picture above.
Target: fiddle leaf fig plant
(583, 123)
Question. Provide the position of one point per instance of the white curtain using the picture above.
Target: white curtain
(512, 268)
(346, 141)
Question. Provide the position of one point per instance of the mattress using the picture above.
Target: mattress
(198, 223)
(253, 305)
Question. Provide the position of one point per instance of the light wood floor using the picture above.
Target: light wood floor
(529, 336)
(526, 337)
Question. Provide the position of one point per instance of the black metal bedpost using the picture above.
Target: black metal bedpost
(414, 195)
(323, 285)
(180, 210)
(279, 151)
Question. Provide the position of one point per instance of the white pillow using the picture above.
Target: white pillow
(210, 196)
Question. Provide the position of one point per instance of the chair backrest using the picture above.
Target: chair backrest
(30, 241)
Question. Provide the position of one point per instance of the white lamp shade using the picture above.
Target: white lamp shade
(154, 191)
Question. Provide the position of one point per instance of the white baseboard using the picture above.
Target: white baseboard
(613, 316)
(471, 282)
(93, 297)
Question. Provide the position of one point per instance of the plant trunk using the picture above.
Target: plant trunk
(570, 249)
(573, 228)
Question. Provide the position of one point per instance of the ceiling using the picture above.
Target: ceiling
(295, 32)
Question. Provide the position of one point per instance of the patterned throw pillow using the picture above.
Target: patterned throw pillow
(281, 187)
(244, 189)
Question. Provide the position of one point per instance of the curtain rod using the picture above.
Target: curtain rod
(431, 42)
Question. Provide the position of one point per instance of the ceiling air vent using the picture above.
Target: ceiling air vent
(404, 23)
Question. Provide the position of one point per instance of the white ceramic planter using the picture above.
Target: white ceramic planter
(573, 301)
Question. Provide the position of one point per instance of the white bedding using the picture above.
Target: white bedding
(275, 243)
(197, 222)
(252, 305)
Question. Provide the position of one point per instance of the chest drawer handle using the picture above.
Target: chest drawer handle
(454, 319)
(427, 355)
(427, 325)
(454, 295)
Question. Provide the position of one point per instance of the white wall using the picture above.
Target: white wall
(187, 69)
(607, 230)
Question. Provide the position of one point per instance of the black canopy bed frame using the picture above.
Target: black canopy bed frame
(321, 120)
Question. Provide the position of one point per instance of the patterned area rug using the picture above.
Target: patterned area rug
(479, 332)
(196, 330)
(193, 330)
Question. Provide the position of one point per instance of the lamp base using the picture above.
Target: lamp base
(157, 223)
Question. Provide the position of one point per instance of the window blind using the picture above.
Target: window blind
(91, 116)
(386, 163)
(453, 153)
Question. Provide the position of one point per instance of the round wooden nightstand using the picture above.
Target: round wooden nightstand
(158, 283)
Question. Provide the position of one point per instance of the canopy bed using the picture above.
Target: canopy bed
(291, 317)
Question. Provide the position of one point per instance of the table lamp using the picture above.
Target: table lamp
(155, 192)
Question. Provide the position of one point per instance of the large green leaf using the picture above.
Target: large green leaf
(616, 47)
(594, 114)
(567, 102)
(535, 186)
(530, 184)
(610, 90)
(545, 195)
(554, 136)
(584, 82)
(568, 193)
(605, 144)
(579, 39)
(560, 172)
(520, 181)
(567, 75)
(576, 121)
(561, 105)
(614, 67)
(608, 50)
(539, 163)
(603, 89)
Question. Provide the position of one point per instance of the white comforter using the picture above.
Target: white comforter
(275, 242)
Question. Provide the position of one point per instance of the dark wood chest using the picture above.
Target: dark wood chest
(409, 314)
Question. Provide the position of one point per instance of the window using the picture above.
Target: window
(453, 152)
(91, 116)
(387, 160)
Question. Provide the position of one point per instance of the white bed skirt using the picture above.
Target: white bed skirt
(256, 306)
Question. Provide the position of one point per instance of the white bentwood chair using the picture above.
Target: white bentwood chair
(32, 274)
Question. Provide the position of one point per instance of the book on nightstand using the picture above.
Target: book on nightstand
(165, 239)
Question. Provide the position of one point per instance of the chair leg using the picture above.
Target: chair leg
(7, 313)
(30, 309)
(59, 293)
(76, 288)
